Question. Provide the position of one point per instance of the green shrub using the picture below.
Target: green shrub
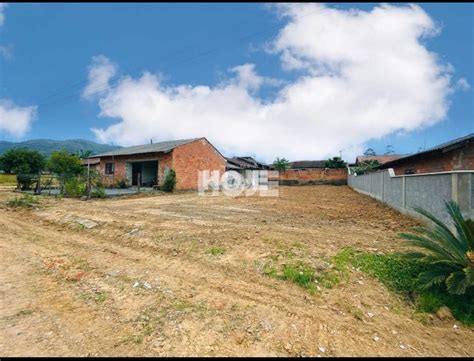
(401, 275)
(74, 187)
(449, 255)
(98, 192)
(170, 181)
(122, 183)
(26, 201)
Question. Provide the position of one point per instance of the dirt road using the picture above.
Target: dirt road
(182, 275)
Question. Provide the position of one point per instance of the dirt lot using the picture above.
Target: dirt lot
(182, 275)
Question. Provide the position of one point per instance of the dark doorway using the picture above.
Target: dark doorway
(136, 168)
(148, 173)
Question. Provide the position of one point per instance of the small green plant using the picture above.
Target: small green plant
(450, 256)
(122, 183)
(74, 187)
(339, 270)
(26, 201)
(216, 251)
(170, 181)
(98, 192)
(299, 273)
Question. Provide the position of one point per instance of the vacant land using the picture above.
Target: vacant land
(186, 275)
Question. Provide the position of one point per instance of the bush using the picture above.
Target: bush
(122, 183)
(25, 181)
(335, 162)
(27, 201)
(98, 192)
(170, 181)
(75, 187)
(26, 163)
(449, 255)
(401, 274)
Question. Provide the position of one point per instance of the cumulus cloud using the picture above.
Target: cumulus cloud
(15, 120)
(360, 75)
(100, 72)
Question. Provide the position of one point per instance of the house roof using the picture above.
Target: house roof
(244, 163)
(91, 161)
(444, 147)
(299, 164)
(382, 159)
(161, 147)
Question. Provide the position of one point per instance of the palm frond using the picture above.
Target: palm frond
(451, 245)
(432, 277)
(422, 242)
(464, 233)
(457, 283)
(469, 272)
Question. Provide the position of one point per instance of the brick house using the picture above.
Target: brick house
(382, 159)
(457, 154)
(148, 163)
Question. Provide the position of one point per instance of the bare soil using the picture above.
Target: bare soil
(143, 281)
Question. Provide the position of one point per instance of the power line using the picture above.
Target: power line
(78, 85)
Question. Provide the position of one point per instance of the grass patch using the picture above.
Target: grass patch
(97, 297)
(299, 273)
(216, 251)
(8, 179)
(81, 264)
(26, 201)
(400, 275)
(339, 270)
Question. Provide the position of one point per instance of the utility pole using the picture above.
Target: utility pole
(88, 178)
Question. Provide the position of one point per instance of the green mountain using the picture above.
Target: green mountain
(47, 146)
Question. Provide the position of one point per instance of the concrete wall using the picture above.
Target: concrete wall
(429, 191)
(313, 176)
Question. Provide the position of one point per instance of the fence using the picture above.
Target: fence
(336, 176)
(429, 191)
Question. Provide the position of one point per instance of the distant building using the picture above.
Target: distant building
(147, 164)
(245, 163)
(307, 164)
(382, 159)
(457, 154)
(93, 163)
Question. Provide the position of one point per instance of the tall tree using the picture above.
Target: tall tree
(64, 164)
(25, 163)
(369, 151)
(389, 150)
(335, 162)
(281, 164)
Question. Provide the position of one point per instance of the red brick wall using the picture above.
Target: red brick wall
(457, 159)
(313, 176)
(190, 158)
(120, 165)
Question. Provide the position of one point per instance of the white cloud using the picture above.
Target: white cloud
(2, 13)
(463, 84)
(100, 73)
(15, 120)
(362, 75)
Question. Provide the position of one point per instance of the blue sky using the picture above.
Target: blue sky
(48, 51)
